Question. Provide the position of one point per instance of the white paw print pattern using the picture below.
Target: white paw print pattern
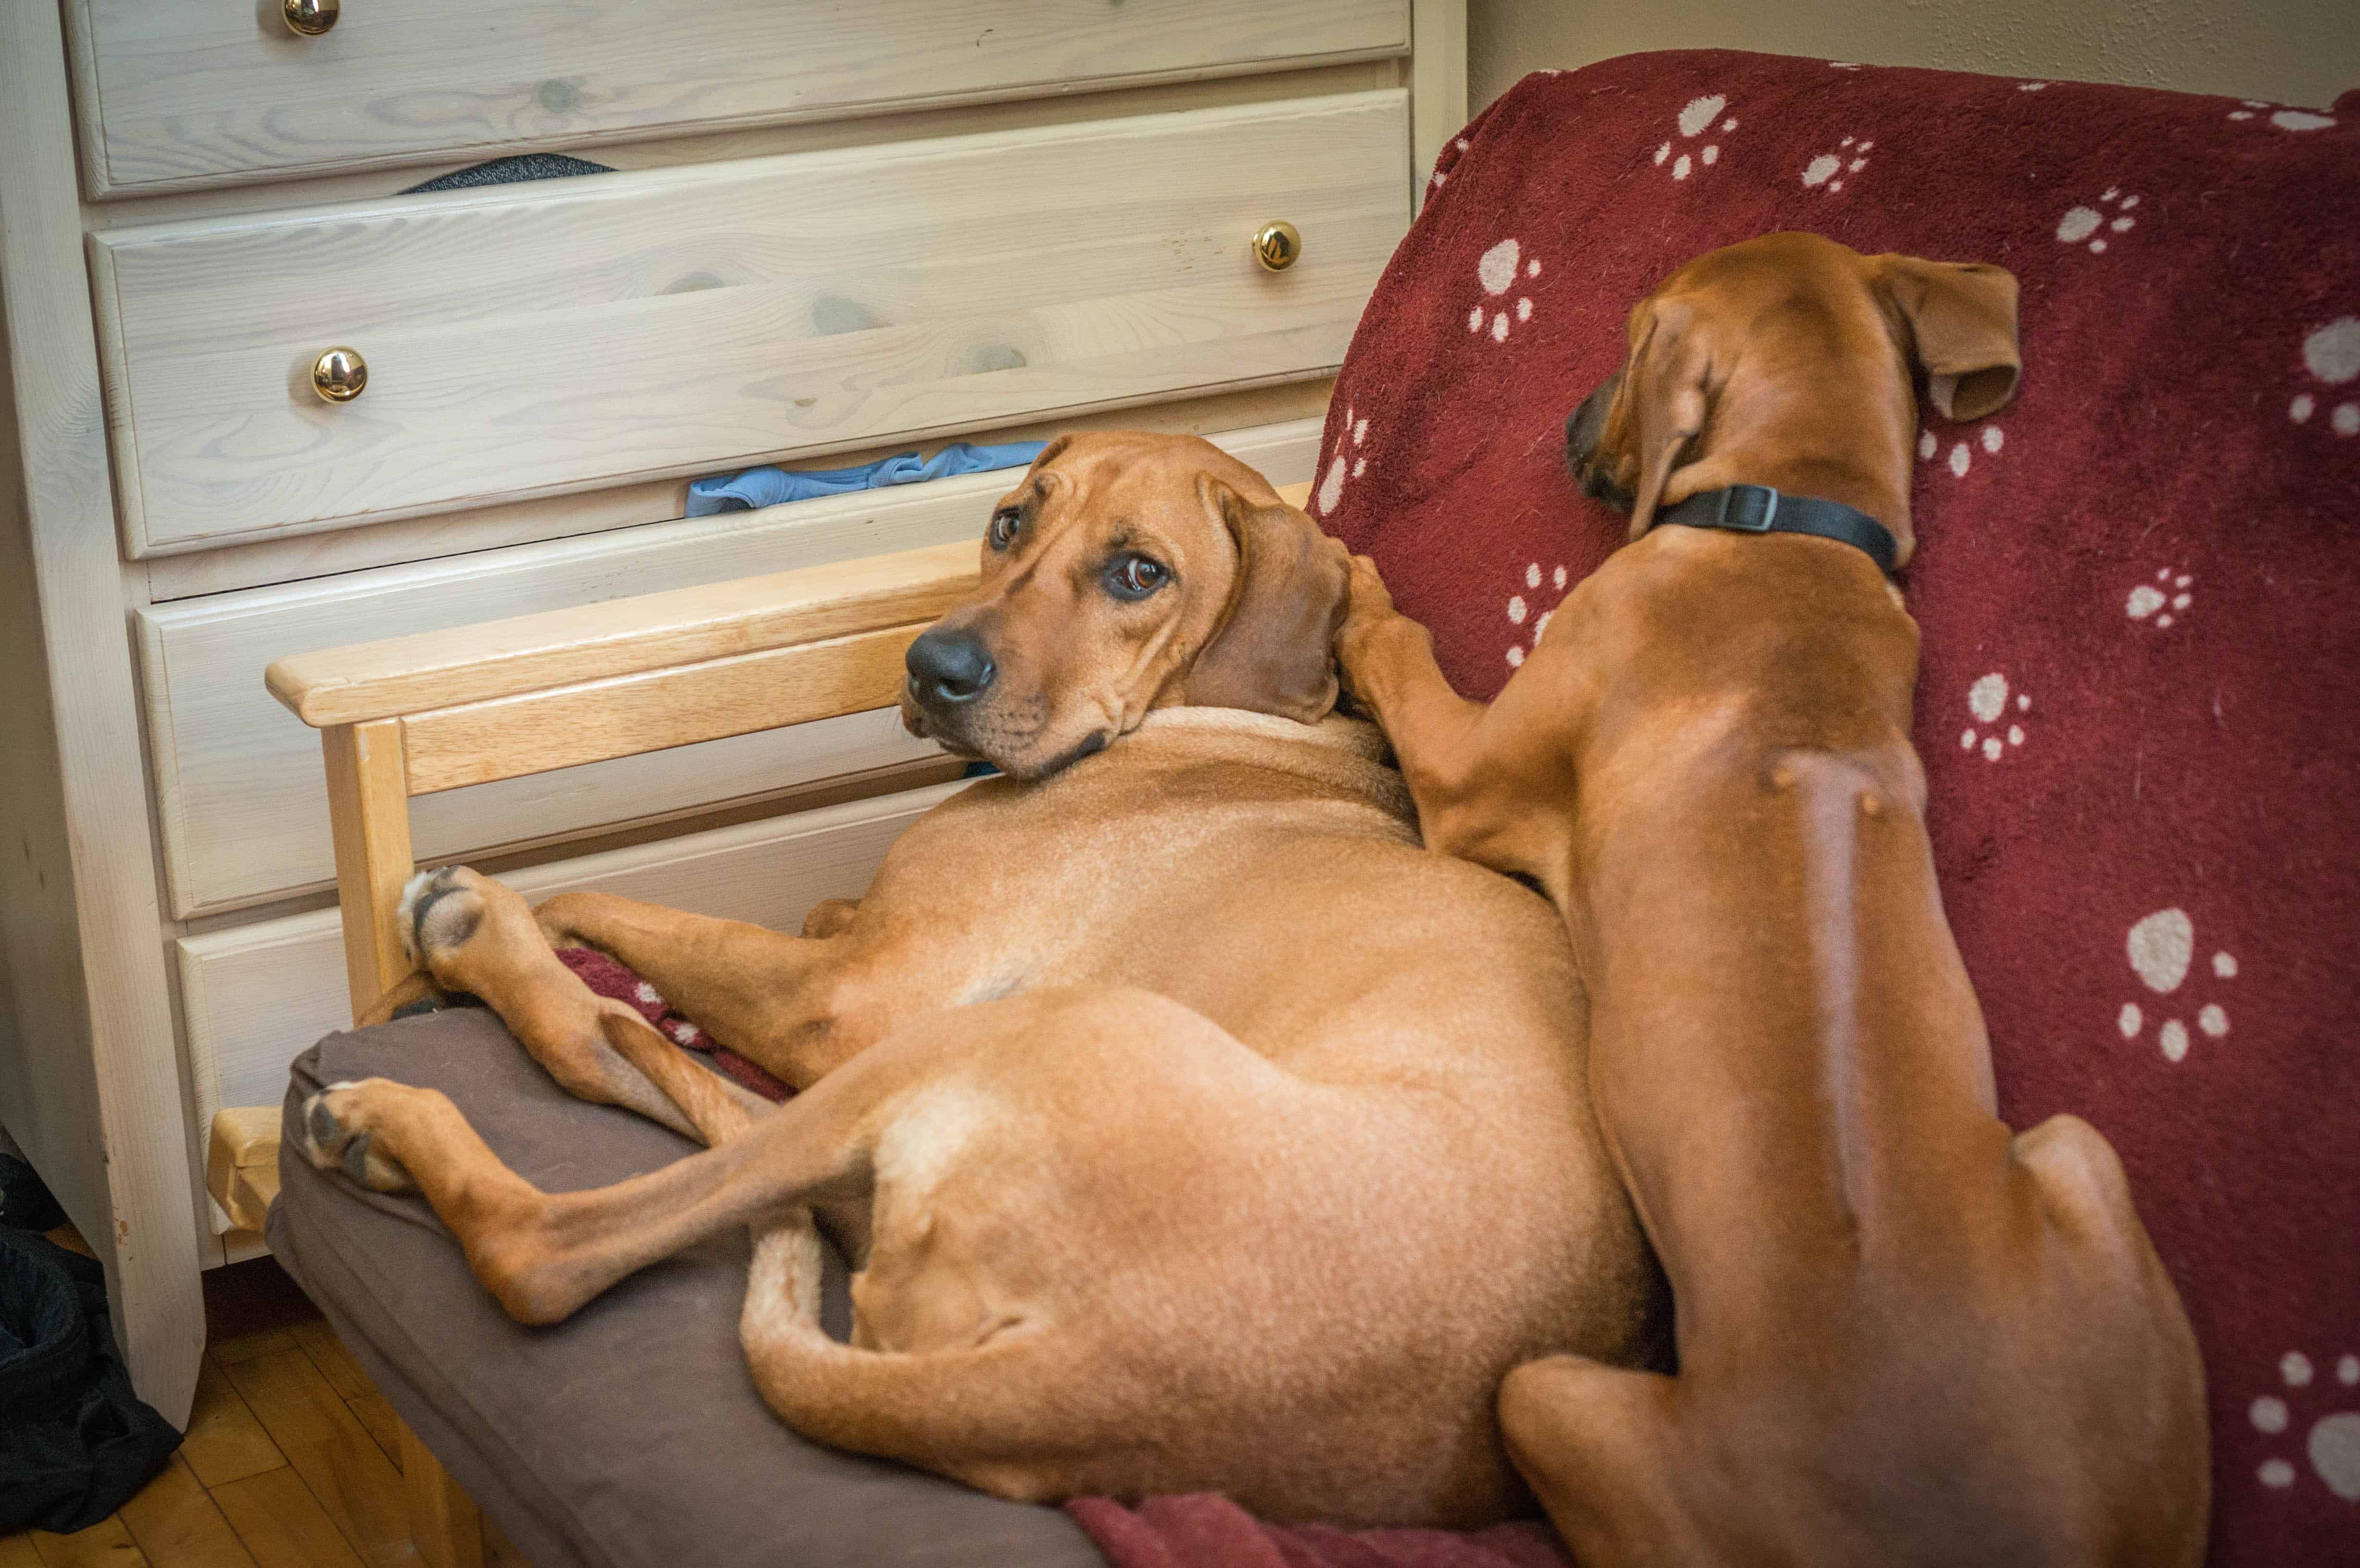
(1696, 118)
(2081, 224)
(1991, 438)
(2162, 600)
(1829, 168)
(2032, 87)
(2162, 950)
(2284, 119)
(2332, 355)
(1440, 178)
(1987, 701)
(1348, 455)
(1496, 272)
(1523, 612)
(2332, 1441)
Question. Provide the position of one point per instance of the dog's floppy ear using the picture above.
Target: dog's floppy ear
(1273, 649)
(1667, 384)
(1962, 322)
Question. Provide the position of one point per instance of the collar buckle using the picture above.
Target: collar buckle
(1739, 511)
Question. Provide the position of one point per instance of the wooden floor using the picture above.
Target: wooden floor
(292, 1459)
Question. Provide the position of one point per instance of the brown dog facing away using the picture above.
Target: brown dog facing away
(1903, 1335)
(1190, 1128)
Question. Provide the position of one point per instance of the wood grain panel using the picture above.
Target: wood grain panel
(582, 332)
(238, 780)
(482, 741)
(202, 91)
(255, 996)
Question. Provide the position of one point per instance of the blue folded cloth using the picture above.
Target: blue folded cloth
(770, 487)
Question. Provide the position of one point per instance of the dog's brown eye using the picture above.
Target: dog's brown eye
(1002, 532)
(1135, 576)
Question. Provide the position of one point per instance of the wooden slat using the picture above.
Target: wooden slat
(327, 1445)
(282, 1524)
(178, 1526)
(653, 631)
(18, 1551)
(1296, 496)
(368, 813)
(629, 714)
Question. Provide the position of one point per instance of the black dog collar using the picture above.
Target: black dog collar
(1759, 509)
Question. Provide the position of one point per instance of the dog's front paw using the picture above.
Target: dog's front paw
(339, 1133)
(440, 909)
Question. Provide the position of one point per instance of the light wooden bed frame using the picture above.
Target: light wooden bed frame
(416, 715)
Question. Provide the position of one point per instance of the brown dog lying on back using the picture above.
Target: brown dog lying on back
(1905, 1337)
(1189, 1127)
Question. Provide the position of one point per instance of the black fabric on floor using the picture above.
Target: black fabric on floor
(75, 1441)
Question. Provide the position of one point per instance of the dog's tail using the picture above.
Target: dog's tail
(999, 1415)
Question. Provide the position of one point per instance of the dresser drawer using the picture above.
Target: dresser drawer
(240, 794)
(559, 336)
(189, 93)
(255, 998)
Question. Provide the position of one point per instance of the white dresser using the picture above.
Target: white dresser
(824, 233)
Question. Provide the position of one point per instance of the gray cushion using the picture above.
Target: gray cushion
(630, 1436)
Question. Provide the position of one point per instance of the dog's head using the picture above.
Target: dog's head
(1791, 358)
(1129, 571)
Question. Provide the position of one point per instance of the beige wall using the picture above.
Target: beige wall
(2289, 51)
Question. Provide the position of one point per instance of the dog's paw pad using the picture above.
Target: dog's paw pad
(440, 909)
(2331, 1441)
(333, 1139)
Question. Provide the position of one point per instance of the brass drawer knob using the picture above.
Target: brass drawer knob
(340, 375)
(309, 18)
(1277, 245)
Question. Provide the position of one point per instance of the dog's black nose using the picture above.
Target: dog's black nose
(948, 668)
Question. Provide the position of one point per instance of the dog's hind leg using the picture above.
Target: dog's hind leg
(544, 1254)
(1596, 1443)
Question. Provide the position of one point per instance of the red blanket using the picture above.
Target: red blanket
(2139, 587)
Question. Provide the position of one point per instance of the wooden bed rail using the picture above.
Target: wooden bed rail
(417, 714)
